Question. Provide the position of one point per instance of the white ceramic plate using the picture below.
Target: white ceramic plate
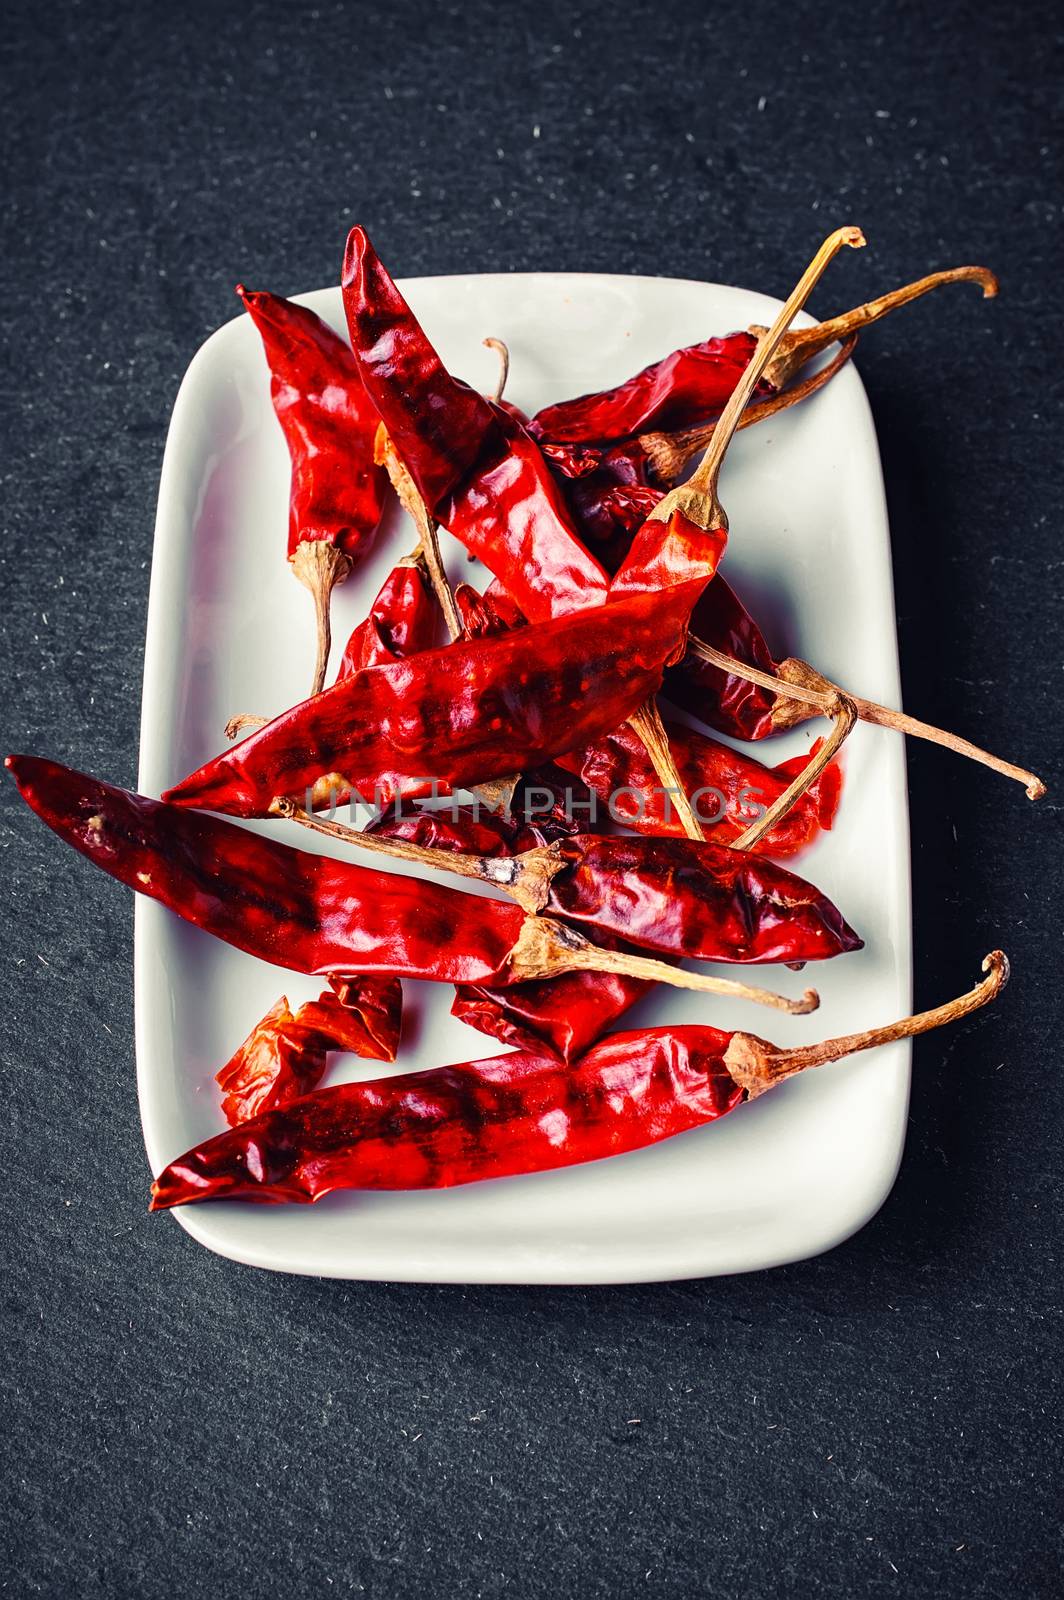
(230, 630)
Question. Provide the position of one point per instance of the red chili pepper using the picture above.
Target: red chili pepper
(316, 915)
(726, 788)
(284, 1056)
(692, 385)
(477, 469)
(512, 1114)
(402, 621)
(462, 714)
(329, 425)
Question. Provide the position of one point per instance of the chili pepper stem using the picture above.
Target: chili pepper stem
(525, 878)
(386, 455)
(668, 453)
(320, 566)
(800, 345)
(545, 948)
(647, 724)
(243, 722)
(757, 1065)
(503, 353)
(798, 684)
(844, 715)
(697, 499)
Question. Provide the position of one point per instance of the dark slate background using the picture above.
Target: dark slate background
(882, 1421)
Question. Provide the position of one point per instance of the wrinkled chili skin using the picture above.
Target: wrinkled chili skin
(461, 714)
(477, 468)
(728, 789)
(701, 901)
(731, 705)
(285, 1054)
(305, 912)
(563, 1015)
(496, 1118)
(402, 622)
(685, 388)
(443, 434)
(328, 422)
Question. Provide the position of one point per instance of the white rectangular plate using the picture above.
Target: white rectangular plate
(230, 630)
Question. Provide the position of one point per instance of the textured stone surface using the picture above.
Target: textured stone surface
(884, 1420)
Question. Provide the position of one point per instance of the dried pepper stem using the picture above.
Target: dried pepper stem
(503, 352)
(698, 499)
(647, 724)
(757, 1065)
(244, 722)
(320, 566)
(668, 453)
(844, 716)
(546, 948)
(799, 684)
(801, 344)
(386, 455)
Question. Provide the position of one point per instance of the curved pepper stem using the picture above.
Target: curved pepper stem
(804, 692)
(757, 1065)
(844, 716)
(502, 350)
(428, 546)
(704, 482)
(320, 566)
(800, 345)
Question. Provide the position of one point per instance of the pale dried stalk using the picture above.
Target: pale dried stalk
(844, 715)
(698, 499)
(800, 684)
(546, 948)
(757, 1065)
(503, 353)
(802, 344)
(648, 725)
(319, 566)
(386, 455)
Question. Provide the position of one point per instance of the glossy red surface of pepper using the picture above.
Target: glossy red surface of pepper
(477, 468)
(688, 899)
(403, 620)
(467, 712)
(495, 1118)
(514, 1114)
(686, 387)
(284, 1056)
(305, 912)
(328, 422)
(727, 788)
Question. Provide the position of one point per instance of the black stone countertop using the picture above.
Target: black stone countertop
(882, 1421)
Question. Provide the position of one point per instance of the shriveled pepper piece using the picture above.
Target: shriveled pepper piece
(316, 915)
(401, 622)
(284, 1056)
(512, 1114)
(329, 424)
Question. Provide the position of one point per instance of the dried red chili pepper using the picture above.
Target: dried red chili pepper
(284, 1056)
(513, 1114)
(460, 714)
(726, 788)
(316, 915)
(683, 897)
(329, 424)
(690, 386)
(401, 622)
